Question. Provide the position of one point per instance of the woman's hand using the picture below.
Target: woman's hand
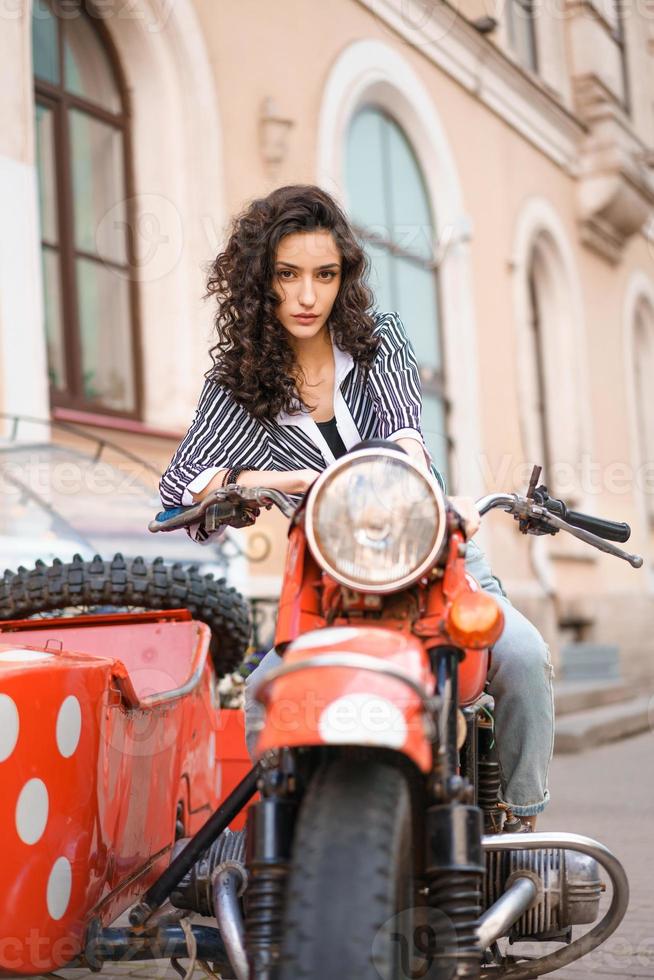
(414, 448)
(467, 509)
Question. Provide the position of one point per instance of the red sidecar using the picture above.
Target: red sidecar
(112, 745)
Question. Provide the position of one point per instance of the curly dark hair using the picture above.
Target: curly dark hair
(252, 357)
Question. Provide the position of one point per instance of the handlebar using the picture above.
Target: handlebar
(537, 518)
(537, 513)
(233, 505)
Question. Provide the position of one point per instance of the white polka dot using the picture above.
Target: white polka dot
(32, 811)
(363, 719)
(9, 725)
(69, 726)
(7, 656)
(60, 883)
(212, 751)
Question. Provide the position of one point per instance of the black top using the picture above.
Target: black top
(331, 436)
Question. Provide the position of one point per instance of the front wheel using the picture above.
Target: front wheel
(350, 891)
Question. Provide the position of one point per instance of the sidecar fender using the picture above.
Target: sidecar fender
(106, 723)
(363, 686)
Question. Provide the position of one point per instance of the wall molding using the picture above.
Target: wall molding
(479, 66)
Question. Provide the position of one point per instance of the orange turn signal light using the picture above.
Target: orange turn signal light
(475, 620)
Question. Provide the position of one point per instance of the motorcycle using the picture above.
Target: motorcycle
(377, 847)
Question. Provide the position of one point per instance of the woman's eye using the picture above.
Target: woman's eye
(329, 273)
(285, 273)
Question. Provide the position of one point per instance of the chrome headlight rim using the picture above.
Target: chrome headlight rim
(407, 580)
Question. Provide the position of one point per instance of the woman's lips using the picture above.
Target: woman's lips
(305, 316)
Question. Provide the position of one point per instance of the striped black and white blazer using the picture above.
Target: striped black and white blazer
(387, 404)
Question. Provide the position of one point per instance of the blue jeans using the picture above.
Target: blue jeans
(519, 680)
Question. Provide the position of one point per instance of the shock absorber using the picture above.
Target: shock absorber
(269, 841)
(488, 773)
(455, 869)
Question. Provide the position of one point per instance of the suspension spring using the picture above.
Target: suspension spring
(269, 842)
(263, 918)
(456, 898)
(488, 791)
(455, 868)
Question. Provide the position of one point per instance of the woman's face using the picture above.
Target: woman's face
(307, 278)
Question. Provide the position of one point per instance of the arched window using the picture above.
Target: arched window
(643, 374)
(389, 206)
(552, 381)
(537, 286)
(82, 154)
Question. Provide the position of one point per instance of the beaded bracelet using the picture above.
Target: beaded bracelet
(232, 475)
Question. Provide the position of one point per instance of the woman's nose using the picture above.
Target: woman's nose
(307, 295)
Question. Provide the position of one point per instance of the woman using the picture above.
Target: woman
(302, 371)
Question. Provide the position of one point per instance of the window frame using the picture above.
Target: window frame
(433, 381)
(643, 338)
(61, 102)
(526, 10)
(619, 37)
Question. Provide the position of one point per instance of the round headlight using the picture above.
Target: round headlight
(375, 521)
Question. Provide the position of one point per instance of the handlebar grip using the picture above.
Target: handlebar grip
(609, 530)
(173, 519)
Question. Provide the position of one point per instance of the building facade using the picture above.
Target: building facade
(496, 157)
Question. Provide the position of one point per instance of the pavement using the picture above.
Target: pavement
(591, 713)
(606, 793)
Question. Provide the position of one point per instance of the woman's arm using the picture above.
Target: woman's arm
(288, 481)
(395, 389)
(221, 435)
(414, 448)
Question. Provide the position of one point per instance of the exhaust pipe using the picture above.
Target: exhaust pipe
(498, 919)
(228, 882)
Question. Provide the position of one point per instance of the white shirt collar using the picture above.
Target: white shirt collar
(343, 364)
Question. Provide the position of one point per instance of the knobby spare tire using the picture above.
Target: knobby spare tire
(351, 876)
(125, 583)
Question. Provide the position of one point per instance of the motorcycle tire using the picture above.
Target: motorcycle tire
(351, 875)
(80, 586)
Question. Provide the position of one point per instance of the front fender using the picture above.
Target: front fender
(360, 685)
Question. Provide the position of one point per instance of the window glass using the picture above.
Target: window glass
(87, 70)
(96, 155)
(381, 277)
(45, 160)
(51, 271)
(434, 430)
(45, 42)
(520, 23)
(365, 179)
(104, 316)
(416, 301)
(412, 224)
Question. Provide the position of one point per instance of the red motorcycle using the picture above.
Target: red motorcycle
(377, 847)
